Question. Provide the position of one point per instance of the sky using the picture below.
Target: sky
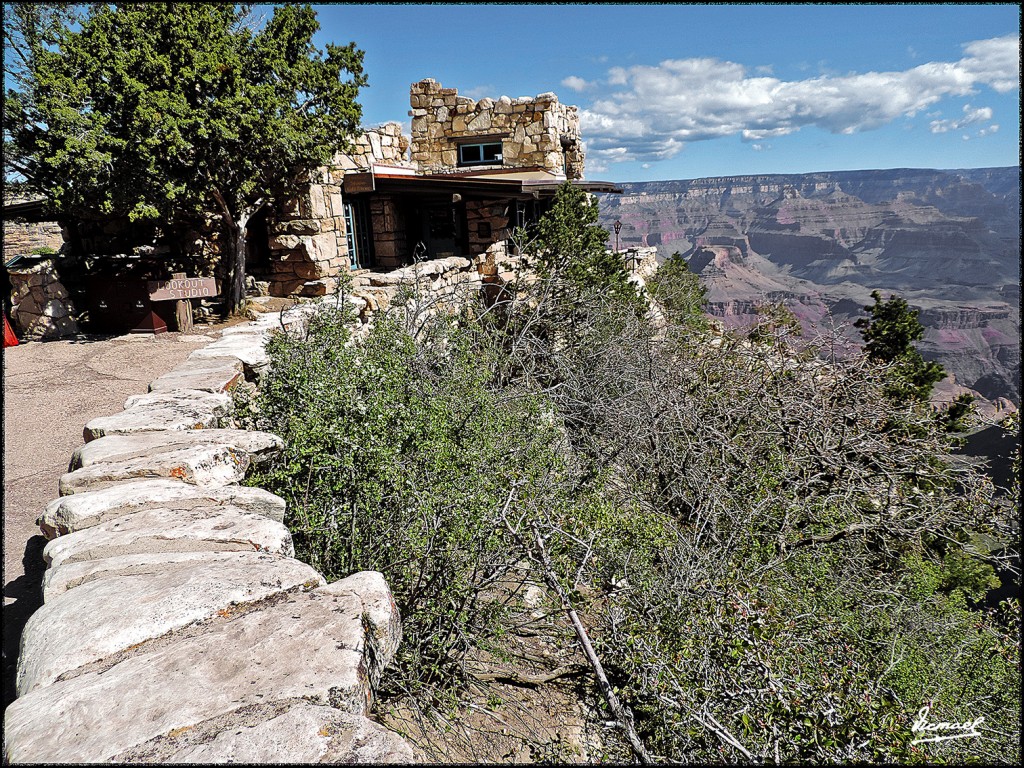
(681, 91)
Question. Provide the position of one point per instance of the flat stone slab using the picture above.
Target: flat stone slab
(214, 374)
(254, 327)
(111, 614)
(211, 465)
(294, 733)
(172, 410)
(85, 510)
(306, 645)
(57, 581)
(247, 347)
(259, 446)
(210, 529)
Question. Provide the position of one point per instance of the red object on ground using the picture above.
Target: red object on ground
(10, 340)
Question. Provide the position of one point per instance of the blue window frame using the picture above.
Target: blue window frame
(484, 153)
(357, 233)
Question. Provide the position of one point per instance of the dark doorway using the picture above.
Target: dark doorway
(257, 244)
(441, 229)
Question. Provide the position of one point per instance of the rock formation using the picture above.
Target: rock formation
(947, 241)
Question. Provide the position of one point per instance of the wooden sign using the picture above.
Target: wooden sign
(178, 288)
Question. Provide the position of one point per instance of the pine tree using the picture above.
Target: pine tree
(889, 335)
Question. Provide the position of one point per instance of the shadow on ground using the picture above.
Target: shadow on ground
(27, 593)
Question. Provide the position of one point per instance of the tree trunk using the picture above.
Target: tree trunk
(236, 294)
(234, 250)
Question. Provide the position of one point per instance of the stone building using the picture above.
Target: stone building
(470, 172)
(452, 192)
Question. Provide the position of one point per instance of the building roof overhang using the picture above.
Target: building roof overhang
(519, 183)
(29, 210)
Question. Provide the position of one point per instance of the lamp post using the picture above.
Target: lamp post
(617, 226)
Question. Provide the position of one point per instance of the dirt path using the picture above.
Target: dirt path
(50, 390)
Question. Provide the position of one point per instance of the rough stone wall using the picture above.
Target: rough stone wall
(307, 241)
(537, 132)
(437, 284)
(486, 221)
(383, 144)
(308, 245)
(196, 636)
(21, 237)
(389, 238)
(40, 307)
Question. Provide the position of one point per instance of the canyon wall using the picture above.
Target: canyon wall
(947, 241)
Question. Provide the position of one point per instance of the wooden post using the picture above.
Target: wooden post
(183, 309)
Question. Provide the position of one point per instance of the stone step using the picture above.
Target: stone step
(200, 529)
(113, 613)
(85, 510)
(259, 446)
(308, 645)
(182, 409)
(211, 465)
(213, 374)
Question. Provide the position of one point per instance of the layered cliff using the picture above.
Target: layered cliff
(947, 241)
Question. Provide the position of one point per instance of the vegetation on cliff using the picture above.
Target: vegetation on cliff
(769, 555)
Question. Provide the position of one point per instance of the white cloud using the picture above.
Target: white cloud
(970, 116)
(576, 83)
(651, 112)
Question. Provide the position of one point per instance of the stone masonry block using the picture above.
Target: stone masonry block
(85, 510)
(158, 600)
(310, 645)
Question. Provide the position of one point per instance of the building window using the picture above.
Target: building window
(480, 154)
(357, 233)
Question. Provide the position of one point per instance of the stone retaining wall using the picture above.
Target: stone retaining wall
(177, 625)
(445, 282)
(437, 282)
(40, 306)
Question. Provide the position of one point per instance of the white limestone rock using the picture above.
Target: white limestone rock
(85, 510)
(213, 374)
(384, 620)
(247, 347)
(171, 410)
(111, 614)
(259, 446)
(211, 465)
(289, 733)
(310, 645)
(217, 402)
(57, 581)
(210, 529)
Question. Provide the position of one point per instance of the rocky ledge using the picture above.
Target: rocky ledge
(176, 625)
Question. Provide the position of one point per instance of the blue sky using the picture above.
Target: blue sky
(671, 91)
